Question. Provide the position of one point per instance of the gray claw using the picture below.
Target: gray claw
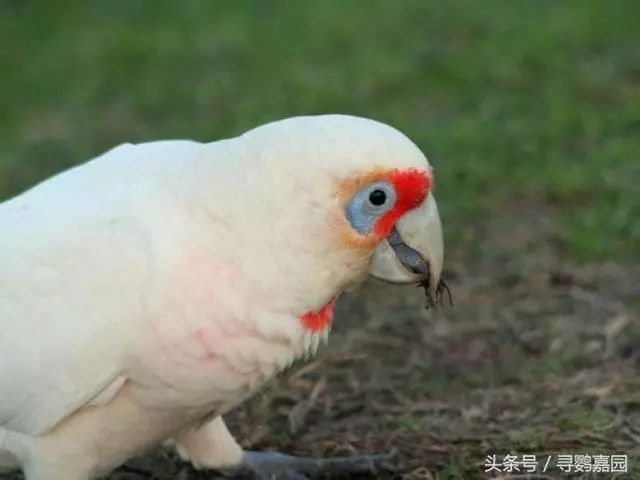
(276, 466)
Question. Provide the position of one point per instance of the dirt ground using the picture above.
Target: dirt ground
(538, 356)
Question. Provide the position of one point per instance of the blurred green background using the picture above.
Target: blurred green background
(513, 101)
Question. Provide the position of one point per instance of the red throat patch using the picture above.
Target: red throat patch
(317, 321)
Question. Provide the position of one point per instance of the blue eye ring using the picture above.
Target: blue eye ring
(369, 204)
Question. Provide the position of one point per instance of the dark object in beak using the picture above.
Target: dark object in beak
(414, 262)
(436, 298)
(409, 258)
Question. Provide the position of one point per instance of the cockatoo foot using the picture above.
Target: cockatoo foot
(277, 466)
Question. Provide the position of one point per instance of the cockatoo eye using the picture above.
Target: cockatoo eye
(369, 204)
(377, 197)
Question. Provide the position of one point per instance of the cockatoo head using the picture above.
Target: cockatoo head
(338, 197)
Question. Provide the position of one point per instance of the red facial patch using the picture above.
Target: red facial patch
(411, 188)
(317, 321)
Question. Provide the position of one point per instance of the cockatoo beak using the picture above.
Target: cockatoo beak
(413, 251)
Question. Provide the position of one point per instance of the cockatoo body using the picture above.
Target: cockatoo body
(148, 291)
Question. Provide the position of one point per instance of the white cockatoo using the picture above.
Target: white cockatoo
(145, 293)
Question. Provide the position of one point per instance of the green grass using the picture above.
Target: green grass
(513, 101)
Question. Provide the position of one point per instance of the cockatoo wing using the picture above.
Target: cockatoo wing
(75, 263)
